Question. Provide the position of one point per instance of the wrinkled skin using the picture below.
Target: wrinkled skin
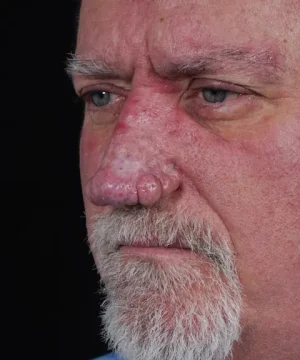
(235, 164)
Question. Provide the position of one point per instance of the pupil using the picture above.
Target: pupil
(100, 98)
(214, 95)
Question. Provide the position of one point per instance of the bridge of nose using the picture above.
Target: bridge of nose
(136, 167)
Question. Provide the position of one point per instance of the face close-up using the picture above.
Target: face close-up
(190, 168)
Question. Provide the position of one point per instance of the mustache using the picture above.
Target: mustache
(155, 226)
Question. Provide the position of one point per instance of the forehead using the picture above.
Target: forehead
(130, 31)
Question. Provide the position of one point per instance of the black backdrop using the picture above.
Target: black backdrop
(49, 284)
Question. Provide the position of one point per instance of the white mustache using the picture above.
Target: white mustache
(141, 226)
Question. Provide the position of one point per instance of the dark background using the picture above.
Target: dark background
(49, 283)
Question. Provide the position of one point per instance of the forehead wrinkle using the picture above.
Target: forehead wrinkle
(116, 48)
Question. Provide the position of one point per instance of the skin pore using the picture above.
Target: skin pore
(193, 111)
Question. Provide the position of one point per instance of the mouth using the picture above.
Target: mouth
(156, 251)
(155, 245)
(153, 249)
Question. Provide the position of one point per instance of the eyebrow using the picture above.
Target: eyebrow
(265, 65)
(77, 65)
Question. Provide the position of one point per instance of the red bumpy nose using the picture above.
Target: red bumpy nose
(108, 187)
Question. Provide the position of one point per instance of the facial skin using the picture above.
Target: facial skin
(159, 148)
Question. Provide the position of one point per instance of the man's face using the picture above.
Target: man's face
(191, 137)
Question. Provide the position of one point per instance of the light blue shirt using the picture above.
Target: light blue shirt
(109, 357)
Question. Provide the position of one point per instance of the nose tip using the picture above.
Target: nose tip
(146, 189)
(105, 189)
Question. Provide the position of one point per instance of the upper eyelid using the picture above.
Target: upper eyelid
(224, 88)
(87, 98)
(206, 83)
(92, 92)
(109, 88)
(195, 85)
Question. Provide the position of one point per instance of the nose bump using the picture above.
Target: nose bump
(145, 188)
(105, 188)
(149, 190)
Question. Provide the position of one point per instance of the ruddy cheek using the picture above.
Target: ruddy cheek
(91, 152)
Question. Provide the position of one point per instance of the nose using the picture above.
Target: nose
(137, 167)
(109, 187)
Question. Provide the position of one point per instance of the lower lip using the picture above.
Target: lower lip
(156, 251)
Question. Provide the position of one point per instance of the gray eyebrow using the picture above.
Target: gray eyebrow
(89, 68)
(263, 64)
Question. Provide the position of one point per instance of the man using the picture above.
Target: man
(190, 163)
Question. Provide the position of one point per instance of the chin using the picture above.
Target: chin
(176, 310)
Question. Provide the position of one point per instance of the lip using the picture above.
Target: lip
(156, 251)
(154, 244)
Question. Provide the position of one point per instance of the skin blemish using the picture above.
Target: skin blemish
(122, 127)
(174, 132)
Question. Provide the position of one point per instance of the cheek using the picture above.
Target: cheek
(276, 153)
(247, 179)
(259, 196)
(90, 152)
(88, 147)
(93, 144)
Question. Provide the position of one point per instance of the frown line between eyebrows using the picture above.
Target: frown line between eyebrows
(265, 65)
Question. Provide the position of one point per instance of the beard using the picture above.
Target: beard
(159, 308)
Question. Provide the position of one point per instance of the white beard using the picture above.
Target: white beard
(158, 310)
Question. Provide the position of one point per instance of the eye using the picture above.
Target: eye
(100, 98)
(209, 99)
(102, 105)
(214, 95)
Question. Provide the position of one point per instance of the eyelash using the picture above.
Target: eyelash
(87, 97)
(220, 86)
(193, 99)
(228, 92)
